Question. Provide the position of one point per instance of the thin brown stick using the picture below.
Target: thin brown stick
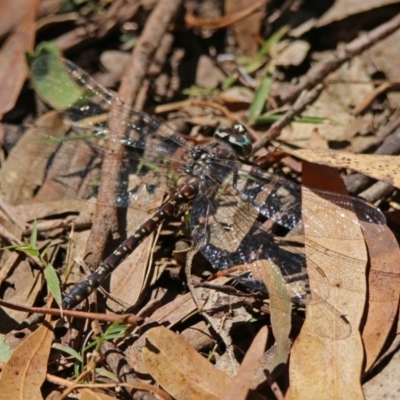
(130, 319)
(390, 134)
(105, 220)
(306, 98)
(224, 21)
(98, 27)
(323, 68)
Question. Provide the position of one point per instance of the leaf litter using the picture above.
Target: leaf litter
(333, 348)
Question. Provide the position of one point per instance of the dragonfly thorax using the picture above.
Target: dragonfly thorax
(229, 144)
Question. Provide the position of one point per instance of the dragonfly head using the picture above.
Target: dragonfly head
(236, 137)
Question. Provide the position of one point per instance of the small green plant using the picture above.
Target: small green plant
(53, 284)
(116, 330)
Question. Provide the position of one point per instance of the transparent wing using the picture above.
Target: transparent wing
(280, 200)
(228, 234)
(86, 105)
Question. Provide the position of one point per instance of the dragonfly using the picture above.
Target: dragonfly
(229, 196)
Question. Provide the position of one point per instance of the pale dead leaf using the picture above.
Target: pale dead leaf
(11, 14)
(385, 56)
(23, 286)
(317, 141)
(134, 273)
(336, 119)
(167, 315)
(31, 211)
(381, 167)
(252, 360)
(237, 96)
(321, 367)
(342, 9)
(293, 53)
(175, 311)
(13, 69)
(180, 370)
(25, 372)
(248, 29)
(385, 384)
(207, 74)
(384, 292)
(351, 94)
(87, 394)
(280, 308)
(29, 154)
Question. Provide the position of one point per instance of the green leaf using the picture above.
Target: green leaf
(228, 82)
(53, 284)
(28, 249)
(5, 351)
(272, 40)
(260, 98)
(106, 373)
(34, 234)
(271, 118)
(51, 79)
(68, 350)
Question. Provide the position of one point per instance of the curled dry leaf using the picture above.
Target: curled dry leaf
(333, 365)
(180, 370)
(380, 167)
(384, 292)
(280, 309)
(25, 372)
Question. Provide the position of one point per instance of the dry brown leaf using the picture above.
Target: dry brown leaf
(11, 14)
(25, 372)
(29, 212)
(384, 294)
(237, 96)
(23, 287)
(133, 274)
(87, 394)
(336, 119)
(380, 167)
(252, 360)
(280, 308)
(208, 75)
(13, 70)
(386, 383)
(226, 20)
(351, 94)
(175, 311)
(293, 52)
(167, 315)
(342, 9)
(248, 29)
(321, 367)
(317, 141)
(28, 155)
(385, 56)
(180, 370)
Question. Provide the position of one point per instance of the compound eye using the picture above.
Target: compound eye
(236, 137)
